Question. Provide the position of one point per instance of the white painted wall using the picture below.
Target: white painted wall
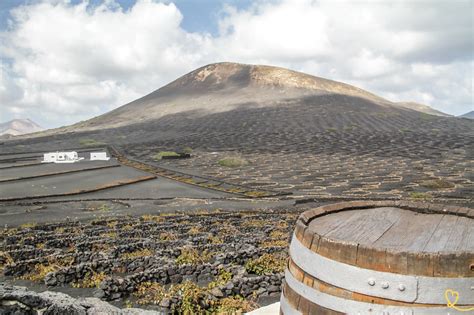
(61, 157)
(99, 156)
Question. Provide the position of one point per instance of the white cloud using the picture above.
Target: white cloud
(65, 63)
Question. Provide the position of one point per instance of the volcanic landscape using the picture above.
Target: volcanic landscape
(208, 174)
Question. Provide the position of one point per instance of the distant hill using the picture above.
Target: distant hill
(17, 127)
(469, 115)
(422, 108)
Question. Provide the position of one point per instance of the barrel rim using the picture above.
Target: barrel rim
(436, 264)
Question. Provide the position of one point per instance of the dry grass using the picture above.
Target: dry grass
(168, 236)
(138, 253)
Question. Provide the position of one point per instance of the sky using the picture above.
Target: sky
(63, 61)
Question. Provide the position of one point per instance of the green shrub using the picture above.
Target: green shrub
(187, 150)
(419, 195)
(161, 154)
(90, 143)
(266, 264)
(232, 162)
(223, 277)
(235, 305)
(437, 184)
(191, 256)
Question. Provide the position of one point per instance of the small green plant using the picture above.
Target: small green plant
(91, 280)
(28, 225)
(232, 162)
(59, 230)
(331, 130)
(187, 150)
(40, 270)
(194, 230)
(5, 259)
(104, 208)
(154, 218)
(138, 253)
(419, 195)
(256, 193)
(223, 277)
(168, 236)
(437, 184)
(90, 143)
(235, 305)
(162, 154)
(214, 240)
(266, 264)
(279, 234)
(109, 235)
(149, 293)
(192, 256)
(188, 296)
(274, 243)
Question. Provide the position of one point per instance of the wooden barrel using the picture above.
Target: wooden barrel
(381, 257)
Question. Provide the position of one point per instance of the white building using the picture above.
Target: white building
(99, 156)
(61, 157)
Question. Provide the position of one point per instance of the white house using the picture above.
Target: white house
(99, 156)
(61, 157)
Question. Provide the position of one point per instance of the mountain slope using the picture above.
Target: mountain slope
(468, 115)
(223, 87)
(263, 100)
(17, 127)
(422, 108)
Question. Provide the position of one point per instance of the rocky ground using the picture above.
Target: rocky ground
(115, 245)
(321, 152)
(206, 260)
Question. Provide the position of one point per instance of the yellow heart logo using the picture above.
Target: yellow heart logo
(451, 297)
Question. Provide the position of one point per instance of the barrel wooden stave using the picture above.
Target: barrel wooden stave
(445, 265)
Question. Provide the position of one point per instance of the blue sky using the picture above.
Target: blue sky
(198, 15)
(67, 61)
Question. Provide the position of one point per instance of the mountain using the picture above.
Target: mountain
(17, 127)
(229, 105)
(223, 87)
(283, 131)
(422, 108)
(469, 115)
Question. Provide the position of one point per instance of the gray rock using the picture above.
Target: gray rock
(99, 293)
(165, 303)
(260, 291)
(273, 288)
(217, 292)
(96, 306)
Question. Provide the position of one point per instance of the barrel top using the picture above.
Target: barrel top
(397, 229)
